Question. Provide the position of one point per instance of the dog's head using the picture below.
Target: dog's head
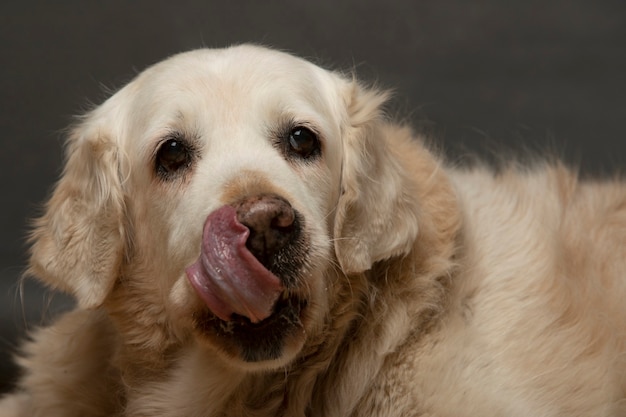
(213, 195)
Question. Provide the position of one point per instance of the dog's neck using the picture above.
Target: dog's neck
(330, 373)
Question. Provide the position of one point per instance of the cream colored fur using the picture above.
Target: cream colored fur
(433, 290)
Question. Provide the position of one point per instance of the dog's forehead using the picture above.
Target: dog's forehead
(235, 75)
(243, 84)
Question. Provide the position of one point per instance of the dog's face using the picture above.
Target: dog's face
(213, 195)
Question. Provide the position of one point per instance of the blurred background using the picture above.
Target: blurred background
(482, 77)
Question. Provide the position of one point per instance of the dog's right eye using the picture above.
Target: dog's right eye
(172, 156)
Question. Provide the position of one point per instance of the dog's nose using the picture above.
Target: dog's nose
(272, 223)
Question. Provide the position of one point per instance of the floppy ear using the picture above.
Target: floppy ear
(376, 213)
(77, 244)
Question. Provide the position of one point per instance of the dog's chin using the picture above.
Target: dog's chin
(270, 343)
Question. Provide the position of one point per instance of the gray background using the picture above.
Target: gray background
(483, 77)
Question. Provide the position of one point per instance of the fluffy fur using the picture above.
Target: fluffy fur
(431, 290)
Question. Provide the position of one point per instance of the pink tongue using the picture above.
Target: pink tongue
(227, 276)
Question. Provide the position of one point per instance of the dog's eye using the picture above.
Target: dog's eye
(172, 156)
(303, 143)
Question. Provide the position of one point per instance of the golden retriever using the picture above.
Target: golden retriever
(246, 234)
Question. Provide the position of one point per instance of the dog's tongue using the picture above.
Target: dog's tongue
(227, 276)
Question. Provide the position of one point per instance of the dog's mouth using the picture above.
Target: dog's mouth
(246, 282)
(256, 342)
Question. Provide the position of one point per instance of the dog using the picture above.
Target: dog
(248, 234)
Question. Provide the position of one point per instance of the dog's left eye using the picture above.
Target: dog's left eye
(303, 143)
(173, 155)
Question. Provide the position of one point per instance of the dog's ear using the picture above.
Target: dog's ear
(376, 213)
(78, 243)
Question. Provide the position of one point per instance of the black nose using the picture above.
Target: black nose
(272, 223)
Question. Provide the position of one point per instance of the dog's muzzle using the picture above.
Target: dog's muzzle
(240, 243)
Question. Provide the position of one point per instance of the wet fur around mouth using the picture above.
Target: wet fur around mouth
(290, 262)
(255, 342)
